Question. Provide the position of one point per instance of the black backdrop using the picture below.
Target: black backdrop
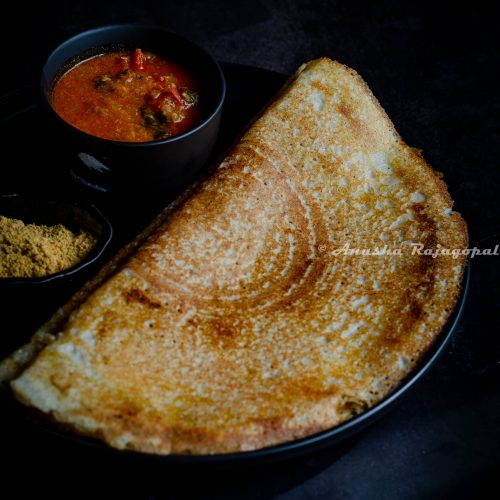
(435, 69)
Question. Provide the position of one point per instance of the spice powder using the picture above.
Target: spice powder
(36, 251)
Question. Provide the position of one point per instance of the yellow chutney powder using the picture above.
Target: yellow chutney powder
(35, 251)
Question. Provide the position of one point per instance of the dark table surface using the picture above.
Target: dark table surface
(435, 69)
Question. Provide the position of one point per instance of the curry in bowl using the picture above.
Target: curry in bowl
(128, 96)
(133, 120)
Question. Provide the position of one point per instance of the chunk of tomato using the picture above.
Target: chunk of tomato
(138, 60)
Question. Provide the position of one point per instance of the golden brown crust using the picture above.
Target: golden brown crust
(239, 323)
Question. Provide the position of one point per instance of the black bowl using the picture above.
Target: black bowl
(27, 301)
(32, 210)
(164, 165)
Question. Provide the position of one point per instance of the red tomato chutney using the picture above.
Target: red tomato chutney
(128, 96)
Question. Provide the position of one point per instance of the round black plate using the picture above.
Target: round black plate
(39, 170)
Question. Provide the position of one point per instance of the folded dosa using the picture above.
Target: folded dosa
(247, 317)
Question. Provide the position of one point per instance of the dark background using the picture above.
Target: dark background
(435, 69)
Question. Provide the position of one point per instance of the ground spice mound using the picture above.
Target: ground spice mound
(35, 251)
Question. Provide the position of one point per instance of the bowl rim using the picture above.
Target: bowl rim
(127, 144)
(98, 250)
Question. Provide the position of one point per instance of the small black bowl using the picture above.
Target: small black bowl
(27, 302)
(162, 165)
(37, 211)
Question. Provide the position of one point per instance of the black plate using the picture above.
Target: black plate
(38, 169)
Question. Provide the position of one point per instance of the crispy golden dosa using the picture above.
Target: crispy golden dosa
(243, 321)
